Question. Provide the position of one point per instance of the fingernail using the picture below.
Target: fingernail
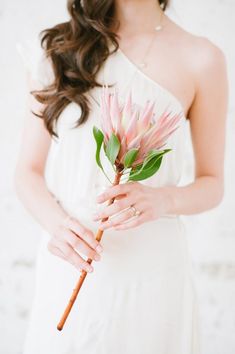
(99, 249)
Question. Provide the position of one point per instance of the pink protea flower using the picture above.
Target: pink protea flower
(135, 128)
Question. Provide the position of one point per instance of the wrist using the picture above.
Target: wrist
(171, 197)
(57, 218)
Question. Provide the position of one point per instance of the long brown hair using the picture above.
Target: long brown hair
(76, 49)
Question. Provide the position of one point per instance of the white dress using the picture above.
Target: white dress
(140, 298)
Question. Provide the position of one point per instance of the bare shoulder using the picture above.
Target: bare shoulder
(206, 55)
(201, 64)
(200, 52)
(208, 68)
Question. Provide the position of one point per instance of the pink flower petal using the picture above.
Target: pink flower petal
(123, 149)
(147, 115)
(127, 111)
(105, 112)
(135, 143)
(131, 130)
(114, 110)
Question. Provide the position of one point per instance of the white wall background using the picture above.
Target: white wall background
(211, 234)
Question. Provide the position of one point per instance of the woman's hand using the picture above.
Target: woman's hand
(69, 238)
(149, 201)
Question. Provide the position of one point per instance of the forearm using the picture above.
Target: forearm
(204, 193)
(31, 189)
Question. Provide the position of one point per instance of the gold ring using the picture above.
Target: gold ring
(136, 212)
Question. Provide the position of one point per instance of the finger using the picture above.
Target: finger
(85, 234)
(117, 219)
(70, 255)
(78, 244)
(134, 222)
(57, 252)
(114, 191)
(114, 208)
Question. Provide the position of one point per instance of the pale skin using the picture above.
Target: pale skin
(198, 78)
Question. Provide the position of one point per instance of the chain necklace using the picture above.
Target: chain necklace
(158, 28)
(142, 64)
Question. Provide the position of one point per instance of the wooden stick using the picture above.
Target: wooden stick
(84, 273)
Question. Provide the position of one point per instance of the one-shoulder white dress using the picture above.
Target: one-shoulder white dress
(141, 297)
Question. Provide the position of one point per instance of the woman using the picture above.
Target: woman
(139, 297)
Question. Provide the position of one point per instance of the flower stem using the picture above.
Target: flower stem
(89, 260)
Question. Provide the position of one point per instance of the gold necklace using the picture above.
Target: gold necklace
(143, 63)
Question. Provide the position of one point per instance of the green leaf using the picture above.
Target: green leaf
(99, 137)
(153, 154)
(112, 148)
(149, 167)
(147, 171)
(104, 147)
(130, 157)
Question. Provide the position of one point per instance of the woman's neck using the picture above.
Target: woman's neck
(137, 15)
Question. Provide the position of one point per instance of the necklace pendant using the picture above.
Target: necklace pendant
(158, 28)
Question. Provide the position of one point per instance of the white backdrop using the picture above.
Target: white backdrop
(211, 234)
